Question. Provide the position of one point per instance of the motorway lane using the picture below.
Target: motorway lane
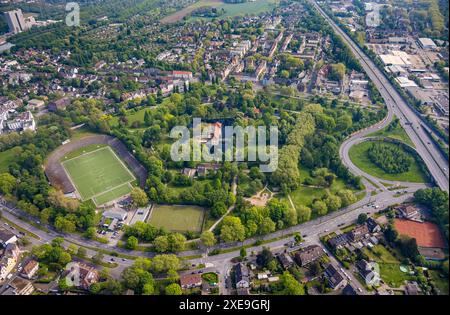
(435, 161)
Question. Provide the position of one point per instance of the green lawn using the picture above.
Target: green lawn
(255, 7)
(7, 157)
(439, 280)
(396, 133)
(358, 155)
(132, 117)
(389, 266)
(98, 173)
(178, 218)
(304, 195)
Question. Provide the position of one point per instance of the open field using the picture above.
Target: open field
(132, 116)
(231, 9)
(179, 15)
(305, 195)
(98, 173)
(178, 218)
(358, 155)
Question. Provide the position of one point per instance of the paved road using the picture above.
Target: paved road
(413, 124)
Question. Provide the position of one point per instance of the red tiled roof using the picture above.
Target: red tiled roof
(189, 280)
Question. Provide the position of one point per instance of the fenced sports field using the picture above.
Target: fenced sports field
(98, 174)
(178, 218)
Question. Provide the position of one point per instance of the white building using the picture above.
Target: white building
(22, 122)
(427, 43)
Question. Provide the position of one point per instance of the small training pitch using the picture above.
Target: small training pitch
(98, 174)
(178, 218)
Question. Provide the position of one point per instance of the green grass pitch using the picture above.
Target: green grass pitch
(99, 175)
(178, 218)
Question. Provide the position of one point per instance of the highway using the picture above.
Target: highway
(413, 124)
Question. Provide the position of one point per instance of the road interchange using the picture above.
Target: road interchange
(413, 124)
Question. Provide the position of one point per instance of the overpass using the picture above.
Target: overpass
(413, 124)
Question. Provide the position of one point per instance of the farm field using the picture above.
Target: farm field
(178, 218)
(358, 155)
(231, 9)
(98, 174)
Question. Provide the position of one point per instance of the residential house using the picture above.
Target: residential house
(35, 104)
(6, 237)
(30, 269)
(373, 226)
(60, 104)
(8, 260)
(85, 275)
(285, 260)
(23, 121)
(358, 232)
(349, 290)
(309, 254)
(203, 169)
(367, 271)
(334, 277)
(242, 276)
(19, 286)
(191, 281)
(408, 211)
(338, 241)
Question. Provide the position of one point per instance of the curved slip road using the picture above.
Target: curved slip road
(433, 158)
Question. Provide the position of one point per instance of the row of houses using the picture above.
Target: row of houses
(362, 235)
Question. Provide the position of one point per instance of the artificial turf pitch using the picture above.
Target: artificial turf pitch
(99, 175)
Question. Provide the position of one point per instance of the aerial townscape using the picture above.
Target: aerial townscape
(95, 198)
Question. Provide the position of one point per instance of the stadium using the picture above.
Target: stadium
(97, 168)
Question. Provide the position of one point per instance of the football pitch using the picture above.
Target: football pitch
(99, 175)
(178, 218)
